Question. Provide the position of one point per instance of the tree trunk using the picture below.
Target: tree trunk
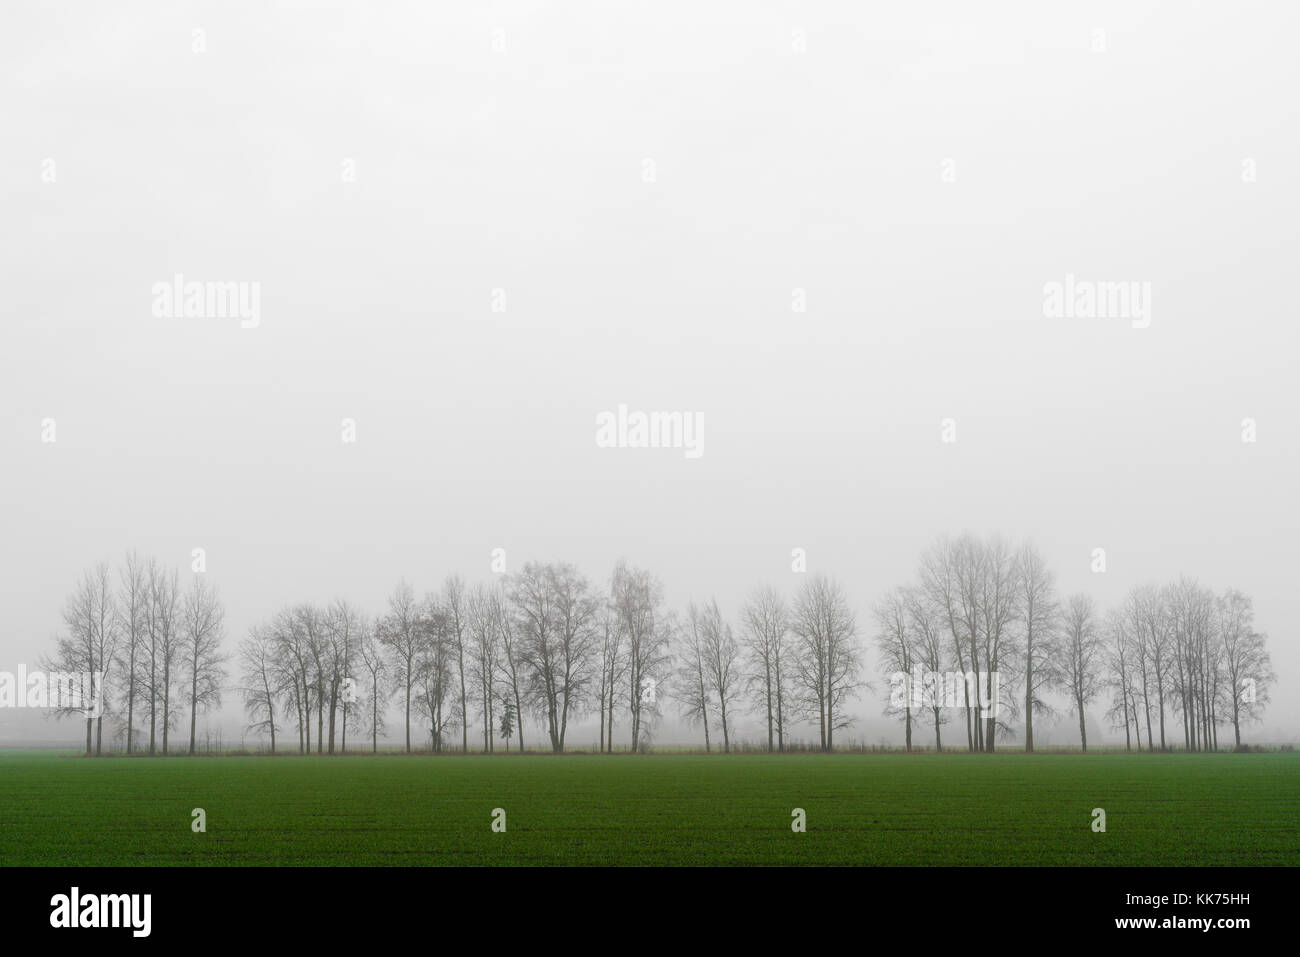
(600, 748)
(780, 706)
(519, 714)
(130, 702)
(194, 705)
(464, 711)
(769, 709)
(334, 704)
(1029, 704)
(153, 699)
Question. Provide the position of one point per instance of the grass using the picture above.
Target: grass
(1013, 809)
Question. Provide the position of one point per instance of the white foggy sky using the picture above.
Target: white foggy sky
(522, 170)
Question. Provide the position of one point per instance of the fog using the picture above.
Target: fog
(816, 230)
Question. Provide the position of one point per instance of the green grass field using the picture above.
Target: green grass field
(1013, 809)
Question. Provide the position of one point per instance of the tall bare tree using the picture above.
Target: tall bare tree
(613, 670)
(691, 685)
(1119, 676)
(164, 617)
(512, 662)
(766, 638)
(1039, 610)
(646, 630)
(435, 670)
(399, 632)
(453, 601)
(1247, 668)
(931, 652)
(372, 657)
(829, 662)
(344, 626)
(897, 647)
(951, 571)
(1190, 608)
(133, 624)
(260, 683)
(106, 636)
(202, 630)
(999, 611)
(1080, 658)
(722, 666)
(292, 630)
(484, 644)
(577, 611)
(82, 656)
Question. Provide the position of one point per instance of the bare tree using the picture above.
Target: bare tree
(105, 634)
(453, 600)
(724, 678)
(999, 609)
(950, 575)
(613, 671)
(484, 645)
(133, 624)
(930, 652)
(201, 634)
(292, 630)
(1039, 610)
(260, 685)
(1080, 658)
(344, 626)
(164, 617)
(1150, 623)
(311, 625)
(82, 655)
(1247, 668)
(556, 616)
(435, 670)
(766, 631)
(372, 657)
(897, 647)
(646, 631)
(829, 661)
(691, 685)
(1191, 622)
(511, 663)
(1119, 658)
(532, 602)
(577, 612)
(399, 633)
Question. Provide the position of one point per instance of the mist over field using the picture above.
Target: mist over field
(823, 234)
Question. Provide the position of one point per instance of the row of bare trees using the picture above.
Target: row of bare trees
(989, 614)
(789, 664)
(549, 644)
(1184, 652)
(145, 648)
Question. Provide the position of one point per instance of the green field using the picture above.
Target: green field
(1012, 809)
